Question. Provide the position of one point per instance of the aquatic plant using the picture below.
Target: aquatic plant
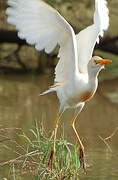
(34, 153)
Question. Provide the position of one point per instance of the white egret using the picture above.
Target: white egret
(77, 71)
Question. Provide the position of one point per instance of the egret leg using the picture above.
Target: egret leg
(82, 154)
(52, 156)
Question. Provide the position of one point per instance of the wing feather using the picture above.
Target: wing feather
(42, 26)
(88, 37)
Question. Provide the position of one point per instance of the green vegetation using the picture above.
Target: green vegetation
(34, 157)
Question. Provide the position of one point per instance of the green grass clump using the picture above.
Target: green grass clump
(35, 154)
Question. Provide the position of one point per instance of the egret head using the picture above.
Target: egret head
(96, 64)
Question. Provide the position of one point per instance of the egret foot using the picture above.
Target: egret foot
(52, 155)
(82, 158)
(51, 159)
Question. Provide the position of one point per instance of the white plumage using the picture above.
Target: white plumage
(88, 37)
(76, 72)
(44, 27)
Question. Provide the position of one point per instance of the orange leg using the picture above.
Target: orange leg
(82, 154)
(52, 156)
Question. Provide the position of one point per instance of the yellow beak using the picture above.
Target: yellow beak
(103, 61)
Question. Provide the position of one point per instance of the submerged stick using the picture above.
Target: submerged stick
(108, 139)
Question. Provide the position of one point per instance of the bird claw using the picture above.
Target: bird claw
(51, 160)
(82, 159)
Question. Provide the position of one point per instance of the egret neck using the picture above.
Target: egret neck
(93, 78)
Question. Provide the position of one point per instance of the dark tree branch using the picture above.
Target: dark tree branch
(10, 37)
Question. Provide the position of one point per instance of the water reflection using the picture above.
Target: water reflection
(20, 105)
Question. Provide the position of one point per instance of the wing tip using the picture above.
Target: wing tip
(101, 15)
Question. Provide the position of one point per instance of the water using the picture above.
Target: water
(20, 105)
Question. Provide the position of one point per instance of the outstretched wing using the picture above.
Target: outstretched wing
(88, 37)
(42, 26)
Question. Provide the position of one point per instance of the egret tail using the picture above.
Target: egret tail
(48, 91)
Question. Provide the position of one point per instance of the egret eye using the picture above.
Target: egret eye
(95, 61)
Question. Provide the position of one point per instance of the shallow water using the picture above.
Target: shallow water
(20, 105)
